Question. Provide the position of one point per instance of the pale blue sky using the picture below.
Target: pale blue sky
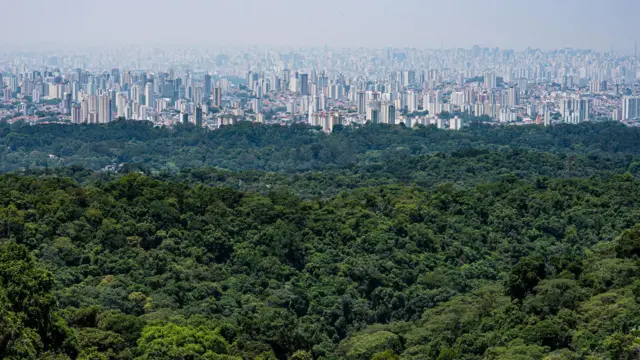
(597, 24)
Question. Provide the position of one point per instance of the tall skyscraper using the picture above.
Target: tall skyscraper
(412, 101)
(513, 97)
(490, 80)
(150, 100)
(135, 93)
(121, 105)
(630, 107)
(91, 87)
(93, 104)
(304, 84)
(250, 80)
(198, 95)
(84, 109)
(199, 116)
(207, 86)
(35, 96)
(217, 97)
(373, 111)
(362, 102)
(75, 88)
(387, 112)
(76, 114)
(408, 78)
(256, 105)
(66, 103)
(575, 111)
(391, 114)
(104, 109)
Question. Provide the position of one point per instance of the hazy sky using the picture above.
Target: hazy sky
(597, 24)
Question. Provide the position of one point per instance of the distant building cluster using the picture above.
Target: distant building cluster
(325, 88)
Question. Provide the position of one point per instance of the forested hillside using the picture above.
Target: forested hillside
(490, 243)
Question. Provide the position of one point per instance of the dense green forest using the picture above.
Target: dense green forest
(269, 242)
(248, 146)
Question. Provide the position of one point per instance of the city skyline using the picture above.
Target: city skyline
(545, 24)
(322, 88)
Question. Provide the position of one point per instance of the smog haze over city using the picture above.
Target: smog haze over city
(517, 24)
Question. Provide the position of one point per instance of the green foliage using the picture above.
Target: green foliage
(516, 350)
(525, 276)
(386, 355)
(248, 146)
(365, 346)
(628, 243)
(174, 342)
(370, 243)
(30, 326)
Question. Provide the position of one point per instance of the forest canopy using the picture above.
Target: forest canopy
(367, 243)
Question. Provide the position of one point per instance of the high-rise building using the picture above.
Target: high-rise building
(93, 104)
(256, 105)
(7, 94)
(91, 87)
(150, 100)
(93, 117)
(513, 97)
(408, 78)
(362, 102)
(457, 98)
(616, 115)
(373, 111)
(630, 107)
(387, 113)
(198, 116)
(455, 123)
(27, 87)
(76, 114)
(84, 109)
(135, 93)
(304, 84)
(121, 105)
(412, 101)
(35, 96)
(251, 79)
(217, 97)
(66, 103)
(490, 80)
(207, 86)
(75, 88)
(161, 105)
(391, 114)
(575, 111)
(293, 85)
(104, 109)
(198, 95)
(583, 108)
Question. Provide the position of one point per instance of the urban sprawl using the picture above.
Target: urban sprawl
(324, 87)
